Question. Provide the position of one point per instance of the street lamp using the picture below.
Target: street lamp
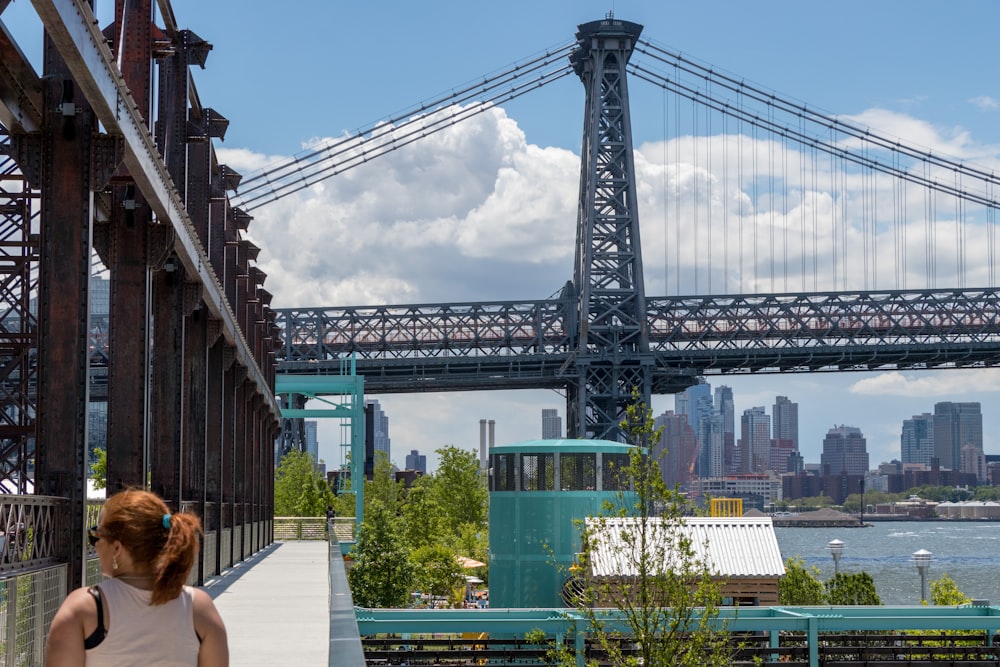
(923, 560)
(836, 548)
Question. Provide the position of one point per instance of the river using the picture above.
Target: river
(968, 552)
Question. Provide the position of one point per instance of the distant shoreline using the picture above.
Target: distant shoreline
(795, 522)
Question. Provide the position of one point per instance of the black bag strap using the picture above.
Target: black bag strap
(97, 636)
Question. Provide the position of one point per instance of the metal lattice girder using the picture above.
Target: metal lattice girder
(527, 344)
(18, 328)
(403, 332)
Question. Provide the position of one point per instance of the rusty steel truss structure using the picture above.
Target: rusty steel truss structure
(108, 152)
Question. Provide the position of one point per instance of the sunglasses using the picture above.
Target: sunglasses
(93, 536)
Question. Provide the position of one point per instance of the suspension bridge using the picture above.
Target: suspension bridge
(801, 243)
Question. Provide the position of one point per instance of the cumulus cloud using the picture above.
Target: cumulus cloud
(946, 383)
(469, 213)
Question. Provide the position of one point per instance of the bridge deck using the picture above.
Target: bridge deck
(276, 606)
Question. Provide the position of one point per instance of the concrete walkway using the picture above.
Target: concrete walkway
(276, 606)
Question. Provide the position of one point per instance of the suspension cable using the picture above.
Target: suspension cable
(307, 168)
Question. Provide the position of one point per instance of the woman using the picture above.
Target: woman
(143, 614)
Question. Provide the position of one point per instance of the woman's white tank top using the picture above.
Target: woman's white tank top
(142, 634)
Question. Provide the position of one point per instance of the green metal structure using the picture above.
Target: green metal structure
(349, 387)
(538, 489)
(779, 624)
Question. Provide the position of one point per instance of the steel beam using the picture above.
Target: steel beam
(74, 30)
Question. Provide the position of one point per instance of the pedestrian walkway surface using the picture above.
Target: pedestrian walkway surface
(276, 606)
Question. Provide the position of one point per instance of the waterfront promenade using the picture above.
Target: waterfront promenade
(276, 606)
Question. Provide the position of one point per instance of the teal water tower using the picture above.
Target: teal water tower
(538, 489)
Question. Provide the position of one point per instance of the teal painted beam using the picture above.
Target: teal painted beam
(344, 412)
(811, 620)
(318, 385)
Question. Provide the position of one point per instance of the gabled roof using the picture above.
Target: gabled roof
(733, 547)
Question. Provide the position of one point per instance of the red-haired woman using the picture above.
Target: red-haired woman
(143, 614)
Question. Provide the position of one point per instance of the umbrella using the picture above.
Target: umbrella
(465, 561)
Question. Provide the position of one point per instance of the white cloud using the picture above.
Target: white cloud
(985, 103)
(952, 383)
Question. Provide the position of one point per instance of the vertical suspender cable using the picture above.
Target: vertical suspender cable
(742, 199)
(784, 205)
(663, 190)
(677, 185)
(756, 209)
(695, 227)
(814, 160)
(770, 194)
(725, 203)
(709, 218)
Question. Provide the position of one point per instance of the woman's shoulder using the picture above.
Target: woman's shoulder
(81, 600)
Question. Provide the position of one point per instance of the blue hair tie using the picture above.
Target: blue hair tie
(166, 521)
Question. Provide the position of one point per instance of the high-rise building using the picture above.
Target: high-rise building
(712, 455)
(786, 421)
(312, 440)
(916, 441)
(973, 462)
(725, 407)
(693, 401)
(844, 451)
(416, 461)
(677, 449)
(376, 434)
(956, 425)
(755, 440)
(782, 450)
(696, 404)
(551, 424)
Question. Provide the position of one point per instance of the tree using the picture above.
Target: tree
(801, 585)
(99, 468)
(670, 613)
(383, 487)
(382, 574)
(421, 514)
(459, 490)
(299, 490)
(438, 573)
(857, 588)
(945, 592)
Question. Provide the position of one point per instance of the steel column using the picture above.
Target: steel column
(63, 309)
(128, 378)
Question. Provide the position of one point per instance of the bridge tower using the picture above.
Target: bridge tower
(612, 357)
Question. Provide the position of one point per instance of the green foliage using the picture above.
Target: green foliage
(801, 585)
(421, 515)
(383, 487)
(856, 588)
(438, 573)
(382, 574)
(944, 592)
(459, 490)
(99, 468)
(669, 611)
(299, 490)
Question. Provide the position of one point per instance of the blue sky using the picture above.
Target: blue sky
(315, 68)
